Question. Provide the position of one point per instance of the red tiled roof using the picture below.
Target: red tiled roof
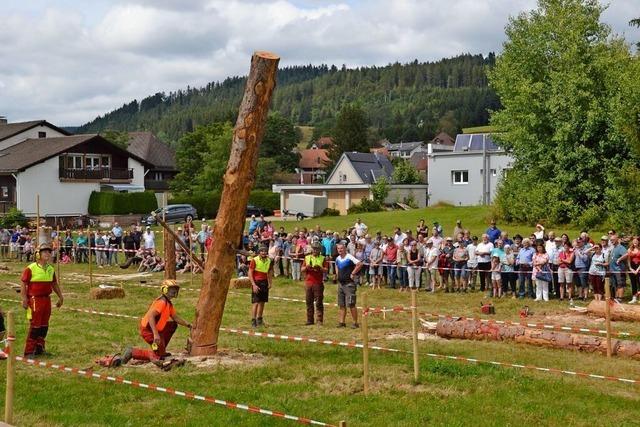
(313, 158)
(324, 142)
(443, 138)
(383, 150)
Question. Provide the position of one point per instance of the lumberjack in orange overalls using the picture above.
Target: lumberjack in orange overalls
(158, 325)
(38, 281)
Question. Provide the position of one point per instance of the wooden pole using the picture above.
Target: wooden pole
(59, 254)
(365, 343)
(414, 328)
(177, 240)
(169, 246)
(191, 256)
(237, 184)
(90, 263)
(37, 222)
(343, 423)
(607, 314)
(11, 368)
(164, 218)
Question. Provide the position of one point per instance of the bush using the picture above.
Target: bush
(265, 199)
(365, 205)
(112, 203)
(12, 218)
(330, 212)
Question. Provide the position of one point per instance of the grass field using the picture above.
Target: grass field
(311, 380)
(474, 218)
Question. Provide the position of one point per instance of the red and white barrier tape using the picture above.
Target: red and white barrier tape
(292, 338)
(400, 309)
(173, 392)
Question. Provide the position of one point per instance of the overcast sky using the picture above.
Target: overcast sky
(68, 61)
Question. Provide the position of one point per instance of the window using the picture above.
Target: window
(5, 192)
(92, 162)
(74, 161)
(105, 162)
(158, 176)
(460, 177)
(494, 172)
(42, 134)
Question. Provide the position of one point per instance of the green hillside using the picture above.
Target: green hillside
(403, 101)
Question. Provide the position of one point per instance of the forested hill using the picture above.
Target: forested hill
(403, 101)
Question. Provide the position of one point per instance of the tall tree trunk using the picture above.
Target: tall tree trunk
(238, 182)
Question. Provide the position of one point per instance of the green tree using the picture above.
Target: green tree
(201, 158)
(350, 132)
(380, 190)
(556, 78)
(635, 23)
(280, 138)
(405, 173)
(119, 138)
(265, 173)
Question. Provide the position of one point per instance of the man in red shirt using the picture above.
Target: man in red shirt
(261, 275)
(158, 325)
(38, 281)
(315, 266)
(391, 259)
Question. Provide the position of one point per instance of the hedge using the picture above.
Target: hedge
(112, 203)
(207, 204)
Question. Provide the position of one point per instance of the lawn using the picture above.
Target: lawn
(311, 380)
(474, 218)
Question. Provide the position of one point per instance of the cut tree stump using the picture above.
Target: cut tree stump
(477, 330)
(240, 283)
(618, 311)
(237, 183)
(107, 293)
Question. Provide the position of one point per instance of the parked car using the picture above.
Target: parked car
(173, 214)
(257, 211)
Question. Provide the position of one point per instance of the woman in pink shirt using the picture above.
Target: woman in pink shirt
(540, 264)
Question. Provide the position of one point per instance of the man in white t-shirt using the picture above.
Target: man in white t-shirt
(483, 255)
(149, 239)
(398, 237)
(361, 228)
(472, 262)
(431, 265)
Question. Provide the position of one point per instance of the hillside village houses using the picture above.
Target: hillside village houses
(37, 157)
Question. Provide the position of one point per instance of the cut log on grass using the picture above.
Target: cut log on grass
(618, 311)
(477, 330)
(237, 183)
(109, 292)
(240, 283)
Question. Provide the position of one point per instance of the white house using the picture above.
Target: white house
(351, 180)
(468, 175)
(63, 171)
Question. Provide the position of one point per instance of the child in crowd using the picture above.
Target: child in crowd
(496, 279)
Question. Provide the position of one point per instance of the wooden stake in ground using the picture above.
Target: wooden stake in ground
(414, 330)
(59, 254)
(177, 239)
(365, 343)
(607, 314)
(238, 181)
(90, 266)
(11, 368)
(169, 245)
(37, 221)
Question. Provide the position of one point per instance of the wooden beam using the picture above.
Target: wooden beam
(237, 183)
(172, 235)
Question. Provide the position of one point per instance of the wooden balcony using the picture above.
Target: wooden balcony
(102, 174)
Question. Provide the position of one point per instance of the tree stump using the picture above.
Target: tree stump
(237, 183)
(477, 330)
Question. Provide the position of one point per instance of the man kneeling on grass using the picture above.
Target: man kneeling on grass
(158, 325)
(347, 267)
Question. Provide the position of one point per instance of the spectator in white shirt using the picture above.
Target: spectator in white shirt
(361, 228)
(483, 255)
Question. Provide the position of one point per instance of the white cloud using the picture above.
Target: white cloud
(69, 63)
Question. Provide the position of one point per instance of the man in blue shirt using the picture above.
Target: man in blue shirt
(493, 232)
(617, 267)
(524, 263)
(253, 225)
(347, 268)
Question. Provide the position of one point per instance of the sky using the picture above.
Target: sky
(68, 61)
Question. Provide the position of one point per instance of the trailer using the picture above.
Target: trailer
(305, 206)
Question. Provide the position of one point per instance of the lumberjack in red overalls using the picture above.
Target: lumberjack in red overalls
(38, 281)
(158, 325)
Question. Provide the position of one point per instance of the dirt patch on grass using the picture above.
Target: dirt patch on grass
(224, 358)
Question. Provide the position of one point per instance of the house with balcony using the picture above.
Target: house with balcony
(160, 157)
(63, 171)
